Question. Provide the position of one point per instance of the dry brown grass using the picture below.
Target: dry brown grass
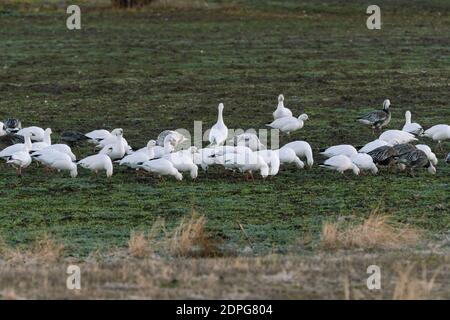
(410, 287)
(138, 245)
(374, 232)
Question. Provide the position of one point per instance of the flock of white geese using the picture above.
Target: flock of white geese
(244, 153)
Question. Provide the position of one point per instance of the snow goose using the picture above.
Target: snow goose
(344, 149)
(96, 163)
(302, 149)
(431, 156)
(178, 138)
(414, 128)
(205, 158)
(183, 161)
(2, 130)
(36, 134)
(378, 118)
(248, 139)
(56, 160)
(116, 149)
(281, 111)
(64, 148)
(340, 163)
(19, 160)
(12, 125)
(439, 133)
(96, 136)
(416, 159)
(289, 124)
(169, 146)
(139, 156)
(246, 161)
(161, 167)
(9, 151)
(219, 132)
(397, 137)
(372, 145)
(116, 134)
(383, 155)
(47, 141)
(272, 158)
(364, 162)
(288, 155)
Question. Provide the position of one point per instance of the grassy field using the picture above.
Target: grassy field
(156, 69)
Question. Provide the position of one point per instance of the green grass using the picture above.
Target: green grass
(150, 70)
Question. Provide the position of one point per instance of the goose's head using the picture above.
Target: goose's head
(303, 117)
(73, 170)
(193, 149)
(117, 132)
(264, 170)
(431, 169)
(151, 144)
(178, 176)
(280, 98)
(386, 104)
(48, 131)
(355, 169)
(220, 107)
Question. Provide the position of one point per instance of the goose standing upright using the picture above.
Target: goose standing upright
(46, 141)
(379, 118)
(219, 132)
(281, 111)
(414, 128)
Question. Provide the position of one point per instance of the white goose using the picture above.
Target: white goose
(345, 149)
(140, 156)
(431, 156)
(372, 145)
(281, 111)
(183, 161)
(219, 132)
(2, 129)
(439, 133)
(340, 164)
(272, 158)
(64, 148)
(364, 162)
(250, 140)
(289, 124)
(245, 160)
(394, 137)
(96, 163)
(9, 151)
(36, 134)
(116, 149)
(414, 127)
(56, 160)
(161, 167)
(302, 149)
(96, 136)
(46, 141)
(19, 160)
(288, 155)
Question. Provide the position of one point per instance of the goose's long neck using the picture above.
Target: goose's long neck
(280, 104)
(47, 138)
(408, 117)
(220, 116)
(28, 142)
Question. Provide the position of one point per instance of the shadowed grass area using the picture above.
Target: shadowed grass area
(150, 70)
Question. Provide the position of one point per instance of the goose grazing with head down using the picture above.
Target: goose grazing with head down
(56, 160)
(72, 138)
(404, 148)
(248, 139)
(289, 124)
(364, 162)
(178, 138)
(46, 141)
(379, 118)
(272, 158)
(439, 133)
(413, 128)
(393, 137)
(430, 154)
(139, 156)
(19, 160)
(219, 132)
(340, 163)
(96, 163)
(63, 148)
(302, 149)
(383, 156)
(416, 159)
(281, 111)
(116, 149)
(9, 151)
(36, 134)
(161, 167)
(344, 149)
(245, 161)
(373, 145)
(183, 161)
(288, 155)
